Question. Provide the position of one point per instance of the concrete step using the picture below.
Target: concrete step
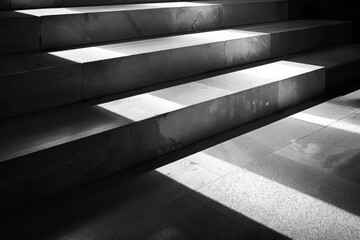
(55, 28)
(50, 152)
(34, 4)
(44, 80)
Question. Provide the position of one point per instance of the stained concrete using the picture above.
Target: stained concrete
(333, 149)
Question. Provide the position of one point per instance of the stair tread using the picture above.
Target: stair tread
(28, 134)
(91, 54)
(332, 57)
(84, 55)
(63, 27)
(31, 62)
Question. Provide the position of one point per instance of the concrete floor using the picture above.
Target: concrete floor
(297, 177)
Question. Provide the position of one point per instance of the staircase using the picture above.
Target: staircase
(90, 88)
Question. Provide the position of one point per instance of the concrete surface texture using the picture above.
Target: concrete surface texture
(248, 187)
(65, 148)
(131, 119)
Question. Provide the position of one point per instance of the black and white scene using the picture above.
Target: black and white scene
(179, 120)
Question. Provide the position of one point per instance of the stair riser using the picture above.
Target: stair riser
(251, 13)
(40, 90)
(64, 167)
(19, 33)
(72, 30)
(118, 75)
(52, 32)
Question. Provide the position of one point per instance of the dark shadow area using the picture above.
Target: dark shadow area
(19, 32)
(123, 199)
(327, 9)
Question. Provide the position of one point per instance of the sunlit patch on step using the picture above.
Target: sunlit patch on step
(48, 11)
(90, 54)
(228, 34)
(281, 70)
(141, 107)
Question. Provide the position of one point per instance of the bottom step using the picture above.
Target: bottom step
(47, 153)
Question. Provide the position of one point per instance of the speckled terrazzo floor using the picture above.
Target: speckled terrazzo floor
(295, 178)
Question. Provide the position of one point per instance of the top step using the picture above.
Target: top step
(32, 4)
(57, 28)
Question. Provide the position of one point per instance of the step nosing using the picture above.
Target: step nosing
(40, 6)
(48, 12)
